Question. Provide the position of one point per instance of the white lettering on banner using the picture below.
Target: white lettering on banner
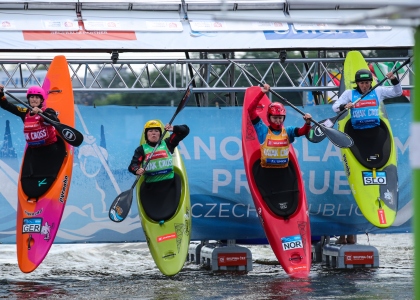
(183, 150)
(223, 145)
(208, 214)
(218, 183)
(211, 152)
(329, 210)
(233, 210)
(223, 177)
(312, 188)
(338, 183)
(306, 156)
(402, 147)
(222, 210)
(331, 151)
(239, 183)
(221, 215)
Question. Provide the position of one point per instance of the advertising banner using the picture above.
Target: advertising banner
(222, 207)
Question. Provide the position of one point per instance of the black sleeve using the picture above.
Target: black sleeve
(137, 159)
(255, 121)
(179, 133)
(50, 113)
(14, 109)
(342, 107)
(395, 81)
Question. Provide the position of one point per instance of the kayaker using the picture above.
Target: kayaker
(160, 166)
(38, 133)
(275, 138)
(365, 113)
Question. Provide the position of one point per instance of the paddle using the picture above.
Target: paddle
(69, 134)
(338, 138)
(121, 206)
(316, 134)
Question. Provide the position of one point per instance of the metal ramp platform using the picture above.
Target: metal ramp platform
(219, 256)
(349, 256)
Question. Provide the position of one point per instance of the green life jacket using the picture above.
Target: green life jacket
(160, 165)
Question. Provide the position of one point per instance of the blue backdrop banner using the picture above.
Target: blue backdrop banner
(222, 207)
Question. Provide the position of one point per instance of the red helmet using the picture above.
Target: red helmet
(276, 109)
(36, 90)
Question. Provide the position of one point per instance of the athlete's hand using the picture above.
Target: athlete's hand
(36, 110)
(265, 88)
(349, 105)
(169, 127)
(140, 171)
(307, 117)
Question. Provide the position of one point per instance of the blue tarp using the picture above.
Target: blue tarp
(222, 207)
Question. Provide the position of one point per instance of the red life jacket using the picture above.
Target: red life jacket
(37, 132)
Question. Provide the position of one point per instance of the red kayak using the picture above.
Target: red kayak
(279, 197)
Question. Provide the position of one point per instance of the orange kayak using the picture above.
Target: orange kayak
(44, 182)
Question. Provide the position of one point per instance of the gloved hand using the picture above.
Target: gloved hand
(1, 92)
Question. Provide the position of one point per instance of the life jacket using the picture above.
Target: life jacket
(37, 132)
(365, 113)
(275, 150)
(160, 165)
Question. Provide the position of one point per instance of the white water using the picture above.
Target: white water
(127, 271)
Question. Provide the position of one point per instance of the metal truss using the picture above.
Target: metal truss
(214, 80)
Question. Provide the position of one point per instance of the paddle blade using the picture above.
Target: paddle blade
(315, 134)
(69, 134)
(338, 138)
(121, 206)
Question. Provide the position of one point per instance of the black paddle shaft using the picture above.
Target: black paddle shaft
(69, 134)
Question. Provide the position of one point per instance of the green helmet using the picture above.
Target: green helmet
(363, 75)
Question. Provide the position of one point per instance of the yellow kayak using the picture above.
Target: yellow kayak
(371, 164)
(167, 221)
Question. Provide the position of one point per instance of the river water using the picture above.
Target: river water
(127, 271)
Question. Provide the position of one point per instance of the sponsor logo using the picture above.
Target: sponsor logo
(346, 164)
(166, 237)
(283, 205)
(79, 35)
(381, 216)
(158, 154)
(45, 230)
(38, 135)
(31, 225)
(231, 259)
(64, 188)
(277, 143)
(389, 197)
(292, 242)
(365, 103)
(68, 134)
(33, 214)
(358, 258)
(369, 179)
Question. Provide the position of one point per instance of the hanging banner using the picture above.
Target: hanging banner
(222, 207)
